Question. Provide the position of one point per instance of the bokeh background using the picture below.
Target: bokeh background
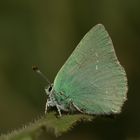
(45, 33)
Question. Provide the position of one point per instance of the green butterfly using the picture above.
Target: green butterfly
(91, 81)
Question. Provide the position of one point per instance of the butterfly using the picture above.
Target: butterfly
(91, 81)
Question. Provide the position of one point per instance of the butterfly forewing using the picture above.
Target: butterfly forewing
(92, 76)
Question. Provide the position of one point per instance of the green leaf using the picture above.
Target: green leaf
(49, 123)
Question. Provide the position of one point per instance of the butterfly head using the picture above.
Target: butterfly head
(49, 89)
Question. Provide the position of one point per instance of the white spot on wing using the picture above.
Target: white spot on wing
(106, 91)
(96, 54)
(96, 67)
(97, 61)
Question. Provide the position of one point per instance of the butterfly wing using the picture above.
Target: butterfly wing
(92, 77)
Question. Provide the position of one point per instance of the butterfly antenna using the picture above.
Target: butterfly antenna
(36, 69)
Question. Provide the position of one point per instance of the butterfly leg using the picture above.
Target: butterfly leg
(76, 107)
(46, 107)
(59, 110)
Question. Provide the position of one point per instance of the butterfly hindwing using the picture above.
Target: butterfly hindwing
(92, 76)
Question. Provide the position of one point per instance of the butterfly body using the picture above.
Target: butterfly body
(59, 100)
(92, 80)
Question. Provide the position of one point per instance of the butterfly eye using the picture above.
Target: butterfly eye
(50, 88)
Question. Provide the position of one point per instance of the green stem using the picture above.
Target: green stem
(48, 123)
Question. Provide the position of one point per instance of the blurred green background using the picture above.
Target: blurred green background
(45, 33)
